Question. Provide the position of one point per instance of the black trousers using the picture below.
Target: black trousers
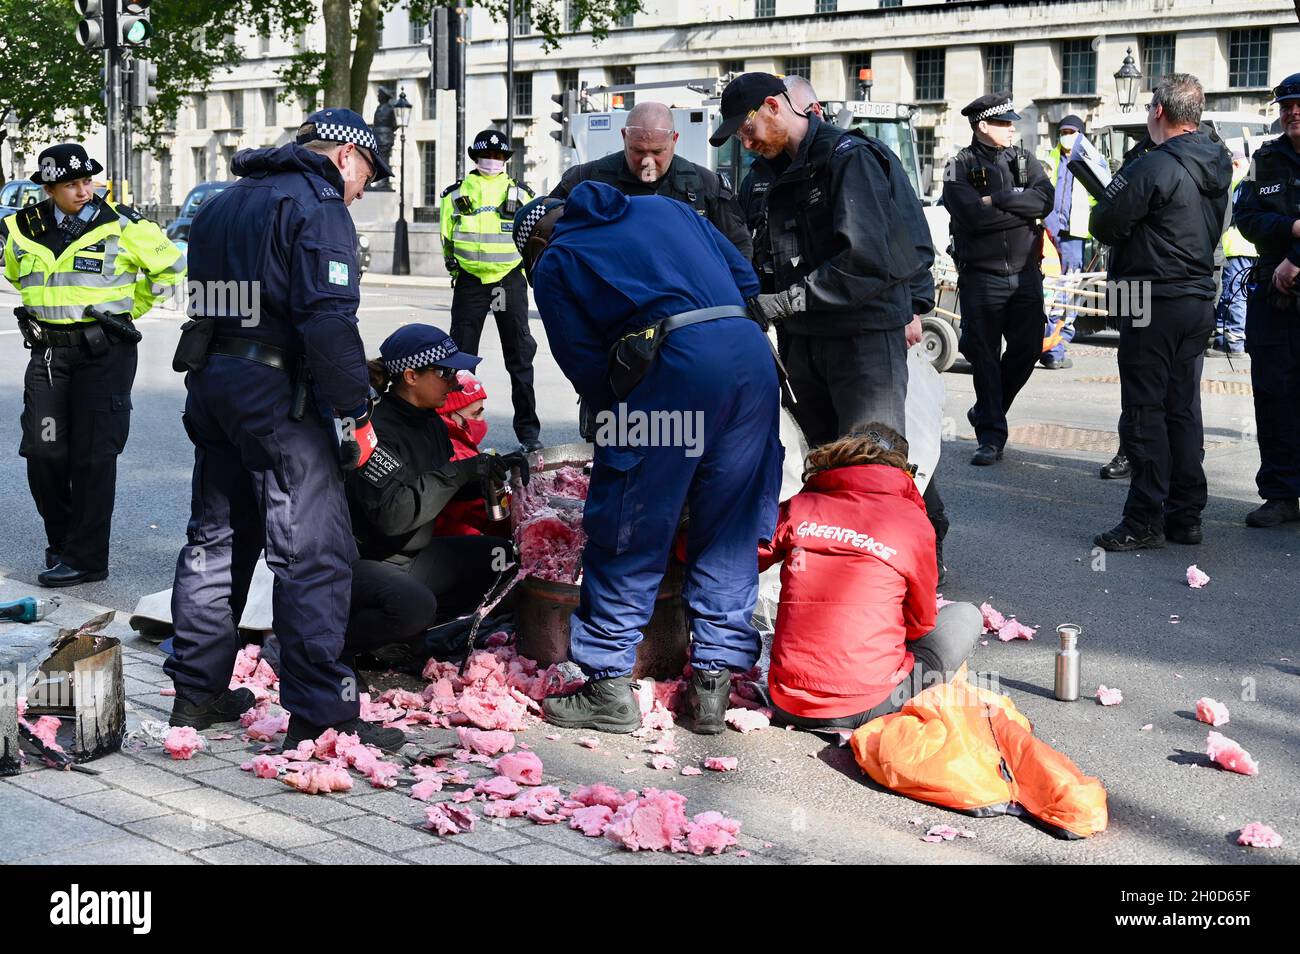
(843, 382)
(75, 421)
(1160, 410)
(994, 308)
(1273, 340)
(508, 301)
(392, 603)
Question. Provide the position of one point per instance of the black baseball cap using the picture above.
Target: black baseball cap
(743, 94)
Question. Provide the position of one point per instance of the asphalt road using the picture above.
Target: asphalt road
(1021, 538)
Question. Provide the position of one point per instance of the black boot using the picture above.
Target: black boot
(986, 454)
(1118, 468)
(1126, 536)
(64, 575)
(370, 733)
(1186, 532)
(1273, 512)
(606, 705)
(225, 706)
(707, 699)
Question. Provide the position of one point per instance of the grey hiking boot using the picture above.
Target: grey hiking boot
(606, 705)
(707, 699)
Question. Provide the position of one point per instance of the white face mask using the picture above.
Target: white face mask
(490, 167)
(1067, 141)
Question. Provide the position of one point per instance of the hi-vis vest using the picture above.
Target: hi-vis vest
(102, 266)
(1081, 202)
(474, 229)
(1236, 245)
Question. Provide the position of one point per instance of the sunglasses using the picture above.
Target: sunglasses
(447, 374)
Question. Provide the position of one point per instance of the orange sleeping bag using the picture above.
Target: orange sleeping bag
(970, 750)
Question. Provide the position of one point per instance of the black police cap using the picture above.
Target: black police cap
(1288, 89)
(991, 106)
(65, 163)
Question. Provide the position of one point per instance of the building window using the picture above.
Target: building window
(200, 111)
(523, 95)
(567, 80)
(518, 152)
(523, 19)
(625, 21)
(854, 64)
(429, 160)
(572, 18)
(925, 145)
(429, 96)
(891, 3)
(798, 66)
(929, 74)
(1248, 57)
(165, 179)
(200, 164)
(1157, 59)
(263, 44)
(733, 66)
(235, 104)
(997, 68)
(623, 76)
(268, 106)
(827, 6)
(764, 8)
(1078, 68)
(419, 33)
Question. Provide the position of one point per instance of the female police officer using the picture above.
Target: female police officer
(407, 578)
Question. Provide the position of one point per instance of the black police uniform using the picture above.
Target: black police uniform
(1266, 210)
(408, 578)
(865, 266)
(998, 251)
(1162, 216)
(267, 475)
(847, 235)
(709, 193)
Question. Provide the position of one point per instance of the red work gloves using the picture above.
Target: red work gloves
(357, 440)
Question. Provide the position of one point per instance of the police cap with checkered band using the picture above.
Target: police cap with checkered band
(490, 140)
(993, 106)
(419, 346)
(65, 163)
(336, 124)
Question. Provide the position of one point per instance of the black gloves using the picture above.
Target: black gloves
(480, 467)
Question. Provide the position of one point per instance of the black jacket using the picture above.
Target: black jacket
(1269, 203)
(710, 194)
(752, 199)
(846, 231)
(406, 483)
(1004, 237)
(1163, 215)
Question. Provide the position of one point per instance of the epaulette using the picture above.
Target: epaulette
(451, 188)
(128, 213)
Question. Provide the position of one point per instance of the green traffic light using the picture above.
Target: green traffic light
(136, 32)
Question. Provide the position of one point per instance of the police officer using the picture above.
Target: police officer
(1268, 214)
(1071, 234)
(997, 194)
(852, 398)
(278, 410)
(86, 269)
(1238, 260)
(476, 219)
(1162, 216)
(648, 166)
(409, 576)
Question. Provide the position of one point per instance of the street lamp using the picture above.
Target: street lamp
(12, 128)
(401, 248)
(1126, 82)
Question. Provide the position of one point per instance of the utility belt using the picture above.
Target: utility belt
(633, 354)
(199, 340)
(96, 334)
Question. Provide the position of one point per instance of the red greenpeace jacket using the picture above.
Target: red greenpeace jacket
(858, 578)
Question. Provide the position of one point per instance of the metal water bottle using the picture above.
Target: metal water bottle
(496, 497)
(1067, 663)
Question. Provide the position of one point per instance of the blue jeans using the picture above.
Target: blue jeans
(1230, 316)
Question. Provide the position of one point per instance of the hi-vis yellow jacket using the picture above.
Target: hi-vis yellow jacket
(475, 230)
(122, 262)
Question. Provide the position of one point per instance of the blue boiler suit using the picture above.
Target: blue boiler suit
(262, 480)
(616, 264)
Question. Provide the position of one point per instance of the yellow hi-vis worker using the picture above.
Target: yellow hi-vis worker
(477, 219)
(86, 268)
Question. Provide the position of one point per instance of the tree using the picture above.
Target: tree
(54, 85)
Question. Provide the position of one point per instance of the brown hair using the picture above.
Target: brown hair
(379, 379)
(873, 443)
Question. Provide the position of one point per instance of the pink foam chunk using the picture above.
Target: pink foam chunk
(182, 742)
(1211, 712)
(522, 767)
(722, 763)
(1109, 697)
(1259, 835)
(1196, 577)
(1229, 755)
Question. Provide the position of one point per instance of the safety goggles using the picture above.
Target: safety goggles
(1286, 91)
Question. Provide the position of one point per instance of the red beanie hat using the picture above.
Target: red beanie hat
(471, 390)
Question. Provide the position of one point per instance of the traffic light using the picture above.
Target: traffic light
(133, 25)
(142, 92)
(568, 103)
(99, 22)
